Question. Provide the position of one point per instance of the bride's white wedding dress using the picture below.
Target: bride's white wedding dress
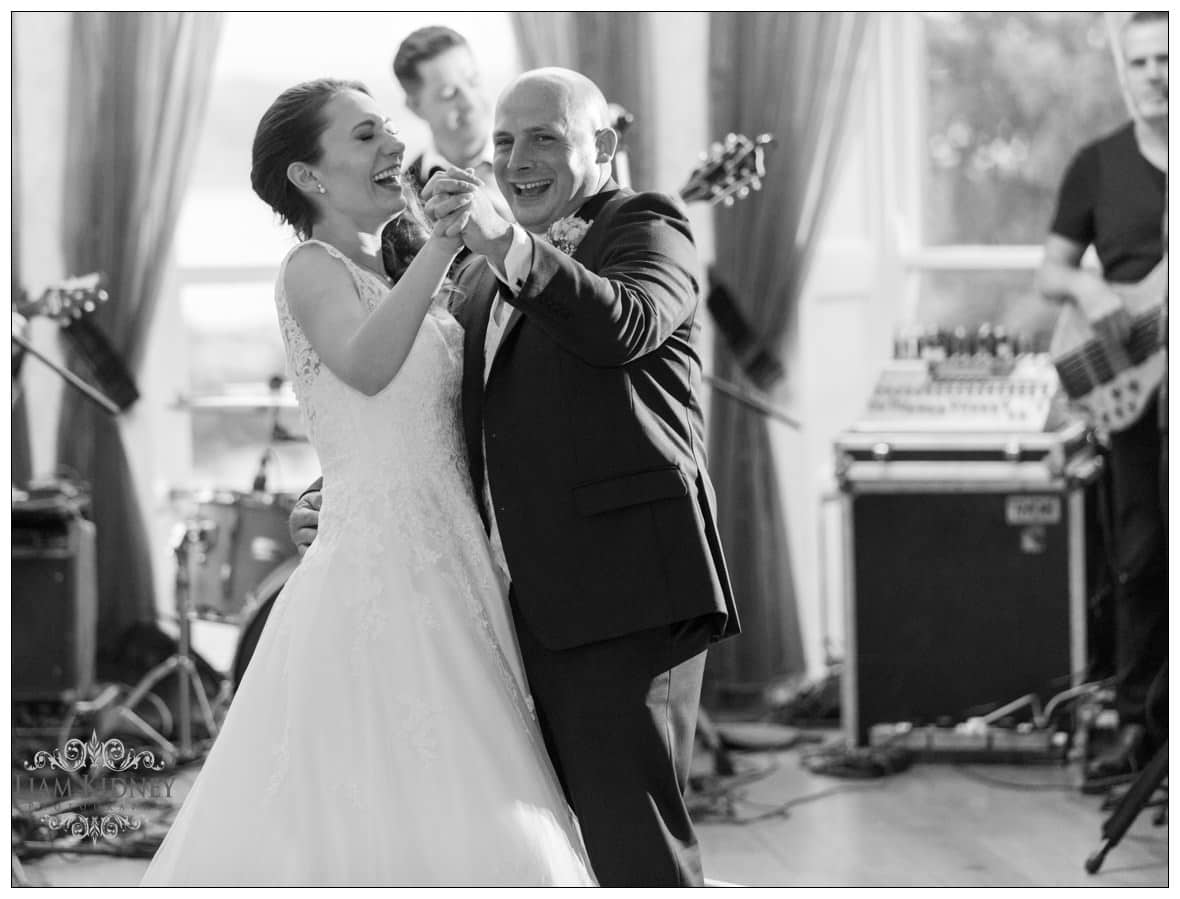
(383, 732)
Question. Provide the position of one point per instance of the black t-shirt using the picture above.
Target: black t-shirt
(1114, 198)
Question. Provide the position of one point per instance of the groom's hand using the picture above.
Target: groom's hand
(304, 522)
(486, 231)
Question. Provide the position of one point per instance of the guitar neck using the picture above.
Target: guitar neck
(1147, 335)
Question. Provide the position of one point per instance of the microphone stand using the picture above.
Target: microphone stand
(733, 391)
(274, 432)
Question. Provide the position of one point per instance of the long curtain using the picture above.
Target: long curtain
(138, 89)
(610, 48)
(790, 74)
(22, 451)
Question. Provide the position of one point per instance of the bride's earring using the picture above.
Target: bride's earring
(320, 188)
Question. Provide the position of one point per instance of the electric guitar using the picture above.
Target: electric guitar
(1112, 385)
(729, 171)
(70, 303)
(70, 299)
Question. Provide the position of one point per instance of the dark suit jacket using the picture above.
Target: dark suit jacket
(594, 431)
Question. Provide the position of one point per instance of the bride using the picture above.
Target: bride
(383, 733)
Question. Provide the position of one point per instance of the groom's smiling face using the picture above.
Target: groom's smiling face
(550, 153)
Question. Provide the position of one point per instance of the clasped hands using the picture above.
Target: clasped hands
(457, 206)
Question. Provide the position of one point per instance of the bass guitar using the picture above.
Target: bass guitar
(1111, 384)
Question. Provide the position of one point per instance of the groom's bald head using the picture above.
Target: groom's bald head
(553, 144)
(580, 97)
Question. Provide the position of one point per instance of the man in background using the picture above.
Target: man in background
(1114, 198)
(436, 69)
(443, 87)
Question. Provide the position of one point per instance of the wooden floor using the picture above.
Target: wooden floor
(932, 826)
(936, 825)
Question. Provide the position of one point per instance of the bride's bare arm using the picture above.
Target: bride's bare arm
(364, 350)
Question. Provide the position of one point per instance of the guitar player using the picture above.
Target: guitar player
(1113, 197)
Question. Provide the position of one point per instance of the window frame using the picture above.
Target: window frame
(901, 88)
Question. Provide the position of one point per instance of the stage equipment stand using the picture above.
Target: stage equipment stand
(191, 540)
(1136, 800)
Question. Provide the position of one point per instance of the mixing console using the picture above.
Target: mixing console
(966, 393)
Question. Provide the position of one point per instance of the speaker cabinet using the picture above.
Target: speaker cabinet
(54, 606)
(960, 600)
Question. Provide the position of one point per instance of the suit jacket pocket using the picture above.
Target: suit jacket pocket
(630, 490)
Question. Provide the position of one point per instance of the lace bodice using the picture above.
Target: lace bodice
(406, 437)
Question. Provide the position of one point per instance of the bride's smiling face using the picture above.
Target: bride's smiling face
(360, 169)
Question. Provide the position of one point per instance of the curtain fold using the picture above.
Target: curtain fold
(613, 50)
(138, 83)
(790, 74)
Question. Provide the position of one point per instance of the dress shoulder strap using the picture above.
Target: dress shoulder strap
(332, 251)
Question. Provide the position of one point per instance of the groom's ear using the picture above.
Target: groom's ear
(606, 140)
(301, 175)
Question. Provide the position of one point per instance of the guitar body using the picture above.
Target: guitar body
(1113, 385)
(104, 361)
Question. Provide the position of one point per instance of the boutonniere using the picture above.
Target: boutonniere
(567, 233)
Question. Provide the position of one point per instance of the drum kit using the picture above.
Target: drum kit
(233, 555)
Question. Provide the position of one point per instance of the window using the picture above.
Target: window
(1004, 100)
(229, 245)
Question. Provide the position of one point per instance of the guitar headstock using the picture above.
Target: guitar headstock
(729, 171)
(68, 300)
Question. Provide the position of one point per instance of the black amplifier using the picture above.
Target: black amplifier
(54, 599)
(964, 570)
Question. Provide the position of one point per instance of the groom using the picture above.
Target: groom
(586, 447)
(585, 440)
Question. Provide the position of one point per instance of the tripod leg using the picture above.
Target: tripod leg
(123, 713)
(202, 699)
(150, 679)
(1121, 819)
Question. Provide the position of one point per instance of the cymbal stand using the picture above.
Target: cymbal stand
(191, 541)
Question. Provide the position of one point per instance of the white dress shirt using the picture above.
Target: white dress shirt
(518, 263)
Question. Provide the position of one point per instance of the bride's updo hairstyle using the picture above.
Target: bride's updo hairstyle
(290, 132)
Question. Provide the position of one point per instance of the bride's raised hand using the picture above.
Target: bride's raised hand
(445, 203)
(450, 227)
(446, 187)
